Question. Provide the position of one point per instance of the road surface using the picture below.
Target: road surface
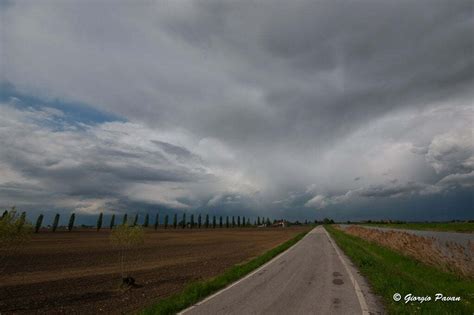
(312, 277)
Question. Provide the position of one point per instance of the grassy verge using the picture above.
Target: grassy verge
(195, 292)
(462, 227)
(390, 272)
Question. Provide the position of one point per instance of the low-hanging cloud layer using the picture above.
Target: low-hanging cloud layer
(301, 109)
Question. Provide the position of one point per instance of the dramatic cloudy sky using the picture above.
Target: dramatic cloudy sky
(297, 109)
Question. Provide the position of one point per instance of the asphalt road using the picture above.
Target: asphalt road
(312, 277)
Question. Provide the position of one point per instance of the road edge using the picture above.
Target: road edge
(359, 293)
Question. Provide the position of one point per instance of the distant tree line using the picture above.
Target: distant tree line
(191, 222)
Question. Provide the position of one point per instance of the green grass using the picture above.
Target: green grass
(390, 272)
(463, 227)
(195, 292)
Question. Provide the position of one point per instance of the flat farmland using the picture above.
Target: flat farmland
(79, 271)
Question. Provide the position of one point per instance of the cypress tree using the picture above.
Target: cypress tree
(5, 213)
(227, 221)
(39, 221)
(214, 222)
(175, 221)
(112, 221)
(55, 222)
(99, 221)
(233, 221)
(147, 219)
(183, 222)
(21, 220)
(206, 223)
(71, 222)
(166, 221)
(258, 220)
(192, 221)
(243, 221)
(268, 222)
(157, 221)
(125, 219)
(238, 221)
(220, 222)
(248, 222)
(199, 221)
(135, 221)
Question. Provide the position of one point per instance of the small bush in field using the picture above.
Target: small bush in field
(56, 222)
(146, 222)
(112, 221)
(157, 221)
(14, 232)
(127, 239)
(166, 221)
(99, 221)
(39, 222)
(70, 225)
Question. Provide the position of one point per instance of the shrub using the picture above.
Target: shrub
(147, 219)
(166, 221)
(157, 221)
(14, 232)
(112, 221)
(214, 222)
(55, 222)
(206, 223)
(125, 219)
(127, 240)
(175, 221)
(39, 222)
(70, 225)
(99, 221)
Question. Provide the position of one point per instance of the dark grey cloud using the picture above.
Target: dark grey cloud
(242, 103)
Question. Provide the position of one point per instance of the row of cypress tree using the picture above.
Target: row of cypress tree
(183, 223)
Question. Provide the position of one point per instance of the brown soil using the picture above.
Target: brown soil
(79, 271)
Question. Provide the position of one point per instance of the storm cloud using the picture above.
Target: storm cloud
(294, 109)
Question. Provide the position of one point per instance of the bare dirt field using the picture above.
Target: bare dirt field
(79, 271)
